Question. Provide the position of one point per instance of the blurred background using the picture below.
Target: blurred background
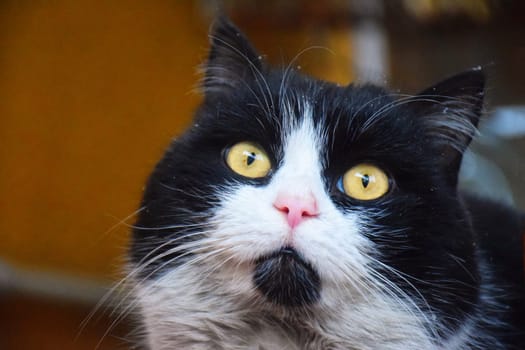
(92, 92)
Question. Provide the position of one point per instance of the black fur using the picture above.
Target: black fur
(438, 240)
(286, 279)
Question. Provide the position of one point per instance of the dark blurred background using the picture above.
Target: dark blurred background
(91, 93)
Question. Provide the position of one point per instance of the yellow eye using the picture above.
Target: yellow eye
(249, 160)
(365, 182)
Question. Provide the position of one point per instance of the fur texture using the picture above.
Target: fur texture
(214, 264)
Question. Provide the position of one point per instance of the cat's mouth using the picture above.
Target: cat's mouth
(285, 278)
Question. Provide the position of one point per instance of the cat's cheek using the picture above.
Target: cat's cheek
(246, 225)
(336, 247)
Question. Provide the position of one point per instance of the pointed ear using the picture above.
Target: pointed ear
(232, 60)
(450, 111)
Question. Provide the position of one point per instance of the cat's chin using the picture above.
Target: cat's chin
(285, 278)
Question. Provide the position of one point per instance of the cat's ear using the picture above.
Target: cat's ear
(232, 61)
(450, 111)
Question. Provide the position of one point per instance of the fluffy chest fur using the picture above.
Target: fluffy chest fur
(297, 214)
(214, 317)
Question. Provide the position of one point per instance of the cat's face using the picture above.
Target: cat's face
(291, 192)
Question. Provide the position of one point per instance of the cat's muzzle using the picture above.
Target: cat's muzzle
(285, 278)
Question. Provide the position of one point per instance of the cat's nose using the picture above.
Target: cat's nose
(296, 207)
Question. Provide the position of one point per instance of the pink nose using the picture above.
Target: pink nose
(296, 208)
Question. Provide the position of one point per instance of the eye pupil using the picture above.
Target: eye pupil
(251, 158)
(365, 180)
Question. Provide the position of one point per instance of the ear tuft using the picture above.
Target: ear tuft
(232, 60)
(450, 111)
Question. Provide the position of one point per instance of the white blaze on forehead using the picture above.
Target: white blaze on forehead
(301, 165)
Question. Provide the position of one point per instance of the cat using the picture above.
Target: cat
(299, 214)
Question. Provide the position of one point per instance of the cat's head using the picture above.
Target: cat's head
(298, 193)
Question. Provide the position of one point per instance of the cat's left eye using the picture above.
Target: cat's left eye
(248, 159)
(364, 182)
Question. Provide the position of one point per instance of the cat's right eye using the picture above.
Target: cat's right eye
(248, 159)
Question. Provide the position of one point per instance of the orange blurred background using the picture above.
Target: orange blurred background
(91, 93)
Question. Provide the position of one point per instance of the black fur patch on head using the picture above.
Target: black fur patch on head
(285, 278)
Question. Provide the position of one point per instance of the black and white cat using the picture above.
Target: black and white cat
(299, 214)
